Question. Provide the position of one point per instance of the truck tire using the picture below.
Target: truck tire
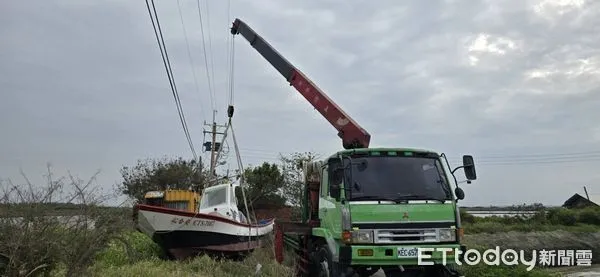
(441, 271)
(453, 270)
(365, 272)
(428, 271)
(326, 267)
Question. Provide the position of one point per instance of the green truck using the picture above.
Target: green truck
(369, 209)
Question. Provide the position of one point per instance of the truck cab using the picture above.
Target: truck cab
(381, 207)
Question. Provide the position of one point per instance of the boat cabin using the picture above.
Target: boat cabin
(179, 199)
(220, 200)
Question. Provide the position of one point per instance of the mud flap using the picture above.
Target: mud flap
(461, 257)
(345, 261)
(345, 255)
(278, 244)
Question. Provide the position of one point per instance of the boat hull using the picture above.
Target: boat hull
(183, 233)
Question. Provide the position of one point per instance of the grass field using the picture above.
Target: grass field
(134, 254)
(142, 259)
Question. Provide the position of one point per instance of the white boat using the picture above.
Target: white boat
(217, 227)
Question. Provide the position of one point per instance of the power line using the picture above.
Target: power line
(523, 160)
(543, 155)
(537, 162)
(209, 81)
(539, 158)
(167, 63)
(212, 61)
(190, 56)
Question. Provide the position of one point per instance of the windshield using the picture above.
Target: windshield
(214, 198)
(399, 178)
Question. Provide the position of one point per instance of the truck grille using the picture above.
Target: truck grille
(406, 236)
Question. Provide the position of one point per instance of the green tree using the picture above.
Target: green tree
(158, 174)
(293, 175)
(264, 185)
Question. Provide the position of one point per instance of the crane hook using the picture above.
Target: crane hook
(230, 111)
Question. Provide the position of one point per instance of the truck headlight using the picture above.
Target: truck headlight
(447, 234)
(361, 236)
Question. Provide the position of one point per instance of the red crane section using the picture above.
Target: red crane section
(352, 134)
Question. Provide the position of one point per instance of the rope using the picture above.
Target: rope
(242, 183)
(231, 59)
(231, 69)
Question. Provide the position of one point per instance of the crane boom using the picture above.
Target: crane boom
(352, 134)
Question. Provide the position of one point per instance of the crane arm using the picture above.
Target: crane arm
(352, 134)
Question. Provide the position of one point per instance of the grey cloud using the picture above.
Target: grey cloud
(89, 89)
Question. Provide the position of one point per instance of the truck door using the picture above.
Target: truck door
(329, 210)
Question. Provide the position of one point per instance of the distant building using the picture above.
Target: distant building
(578, 201)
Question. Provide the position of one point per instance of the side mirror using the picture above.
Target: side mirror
(460, 194)
(469, 167)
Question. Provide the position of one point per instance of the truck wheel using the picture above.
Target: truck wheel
(365, 272)
(429, 271)
(326, 266)
(441, 271)
(452, 270)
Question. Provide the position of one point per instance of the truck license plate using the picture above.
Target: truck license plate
(408, 252)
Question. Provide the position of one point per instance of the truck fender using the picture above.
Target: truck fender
(332, 245)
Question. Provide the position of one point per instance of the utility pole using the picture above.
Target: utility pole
(586, 193)
(212, 145)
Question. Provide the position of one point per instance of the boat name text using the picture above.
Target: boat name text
(193, 222)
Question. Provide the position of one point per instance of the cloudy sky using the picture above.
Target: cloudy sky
(515, 83)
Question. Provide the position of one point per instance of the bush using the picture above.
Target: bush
(562, 216)
(466, 217)
(128, 248)
(540, 217)
(590, 216)
(484, 227)
(35, 242)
